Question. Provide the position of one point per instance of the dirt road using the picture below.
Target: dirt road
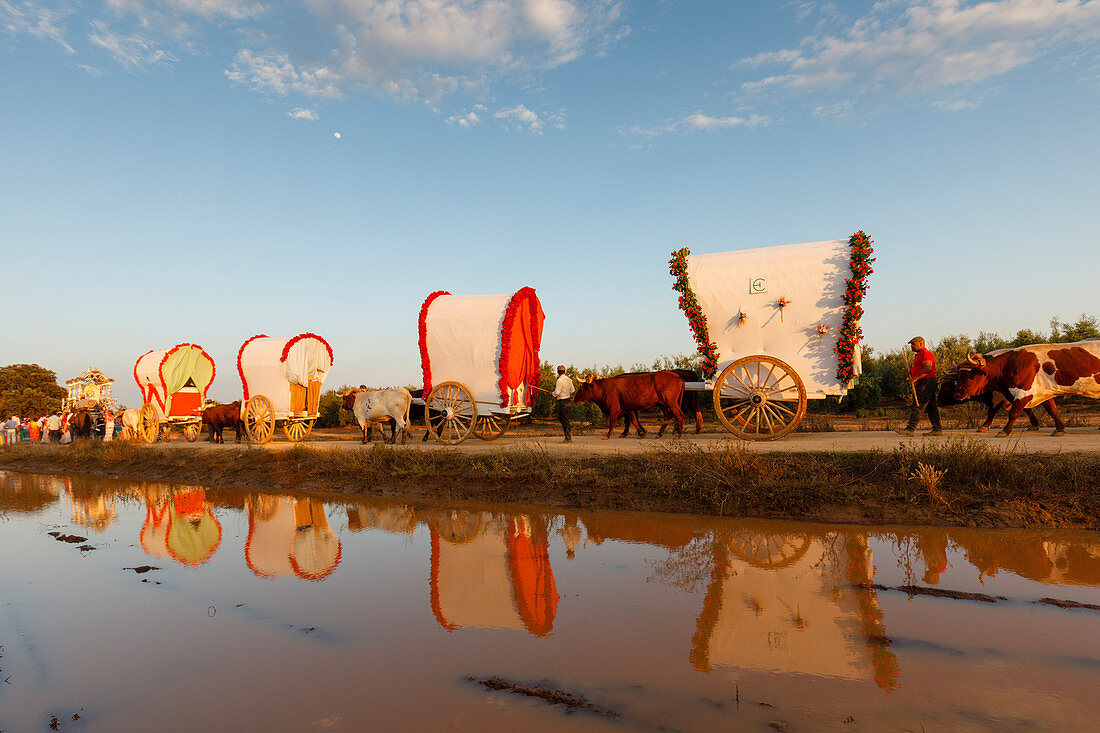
(1076, 440)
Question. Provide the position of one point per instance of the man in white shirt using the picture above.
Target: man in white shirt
(53, 424)
(563, 393)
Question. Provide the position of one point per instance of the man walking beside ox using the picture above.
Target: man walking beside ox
(563, 394)
(922, 375)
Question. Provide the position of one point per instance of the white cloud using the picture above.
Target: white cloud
(923, 49)
(31, 19)
(135, 52)
(520, 117)
(273, 72)
(153, 10)
(699, 122)
(300, 113)
(466, 120)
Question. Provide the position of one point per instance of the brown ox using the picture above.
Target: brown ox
(220, 417)
(630, 393)
(689, 405)
(1033, 375)
(994, 401)
(80, 424)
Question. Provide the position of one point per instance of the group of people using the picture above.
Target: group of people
(53, 428)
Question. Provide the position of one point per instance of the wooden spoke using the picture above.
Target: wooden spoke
(450, 413)
(772, 551)
(769, 403)
(191, 431)
(491, 426)
(259, 419)
(148, 423)
(296, 430)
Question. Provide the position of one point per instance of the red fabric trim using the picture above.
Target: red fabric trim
(534, 326)
(533, 589)
(433, 578)
(240, 351)
(141, 387)
(425, 362)
(251, 529)
(318, 577)
(299, 337)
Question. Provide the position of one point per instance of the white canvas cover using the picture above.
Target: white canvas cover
(463, 342)
(811, 276)
(263, 371)
(289, 536)
(473, 586)
(159, 377)
(790, 619)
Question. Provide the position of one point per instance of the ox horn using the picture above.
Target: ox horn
(972, 358)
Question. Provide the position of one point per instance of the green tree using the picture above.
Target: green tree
(29, 390)
(1086, 327)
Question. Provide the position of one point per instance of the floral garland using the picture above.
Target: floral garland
(850, 332)
(532, 379)
(301, 336)
(677, 267)
(422, 328)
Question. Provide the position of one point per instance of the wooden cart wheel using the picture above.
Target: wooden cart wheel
(191, 431)
(770, 551)
(450, 412)
(259, 419)
(148, 423)
(759, 398)
(491, 426)
(296, 431)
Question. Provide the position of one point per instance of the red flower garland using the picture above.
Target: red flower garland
(533, 378)
(306, 335)
(689, 304)
(240, 353)
(141, 387)
(856, 287)
(425, 362)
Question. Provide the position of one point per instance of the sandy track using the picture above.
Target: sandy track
(1076, 440)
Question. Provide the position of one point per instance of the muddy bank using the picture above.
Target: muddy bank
(958, 482)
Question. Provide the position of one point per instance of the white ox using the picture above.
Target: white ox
(379, 405)
(129, 424)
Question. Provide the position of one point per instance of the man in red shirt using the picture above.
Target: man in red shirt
(923, 377)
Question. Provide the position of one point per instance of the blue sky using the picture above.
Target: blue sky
(169, 169)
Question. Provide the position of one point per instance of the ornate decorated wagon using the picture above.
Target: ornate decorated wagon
(281, 380)
(173, 384)
(480, 359)
(776, 326)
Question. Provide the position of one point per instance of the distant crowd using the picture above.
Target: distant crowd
(54, 428)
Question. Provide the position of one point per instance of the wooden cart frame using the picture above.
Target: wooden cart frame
(163, 409)
(297, 407)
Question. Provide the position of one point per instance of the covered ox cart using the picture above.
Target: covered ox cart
(281, 380)
(776, 326)
(173, 384)
(480, 359)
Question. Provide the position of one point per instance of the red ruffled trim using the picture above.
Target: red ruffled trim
(141, 387)
(240, 351)
(433, 578)
(299, 337)
(425, 362)
(533, 378)
(317, 577)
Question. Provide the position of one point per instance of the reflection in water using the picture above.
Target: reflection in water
(290, 536)
(180, 525)
(675, 604)
(488, 571)
(793, 603)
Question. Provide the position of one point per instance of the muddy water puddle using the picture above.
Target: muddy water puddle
(131, 605)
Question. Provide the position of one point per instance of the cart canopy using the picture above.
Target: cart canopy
(499, 579)
(754, 282)
(290, 537)
(490, 343)
(175, 380)
(269, 366)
